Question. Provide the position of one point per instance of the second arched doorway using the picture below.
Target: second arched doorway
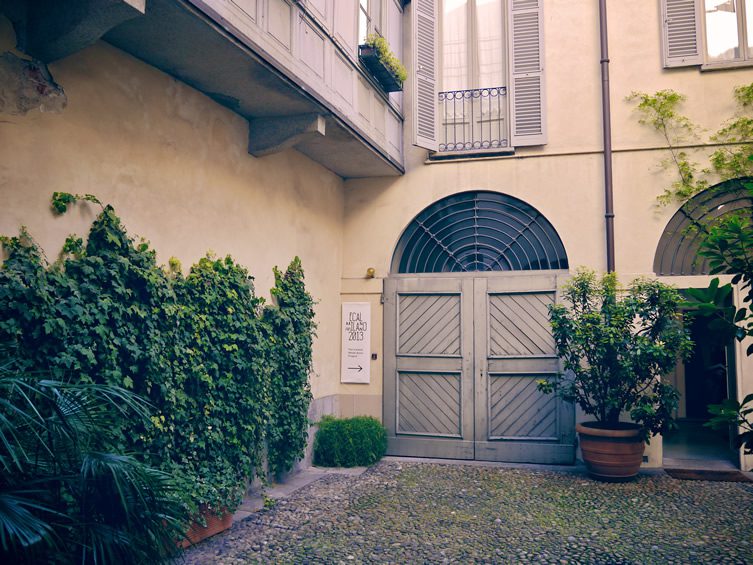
(467, 334)
(713, 372)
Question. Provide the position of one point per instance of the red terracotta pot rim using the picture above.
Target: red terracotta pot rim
(625, 429)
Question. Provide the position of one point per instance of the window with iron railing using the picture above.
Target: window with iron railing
(473, 120)
(473, 93)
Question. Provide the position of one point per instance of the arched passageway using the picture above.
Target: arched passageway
(467, 334)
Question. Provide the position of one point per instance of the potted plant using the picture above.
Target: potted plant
(616, 346)
(382, 63)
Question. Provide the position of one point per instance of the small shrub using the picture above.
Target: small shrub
(349, 442)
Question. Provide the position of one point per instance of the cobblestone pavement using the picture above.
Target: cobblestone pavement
(400, 512)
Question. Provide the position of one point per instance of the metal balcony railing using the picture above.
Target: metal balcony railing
(473, 120)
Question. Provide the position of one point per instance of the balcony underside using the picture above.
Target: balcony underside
(178, 39)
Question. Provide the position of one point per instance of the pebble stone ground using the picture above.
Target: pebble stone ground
(400, 512)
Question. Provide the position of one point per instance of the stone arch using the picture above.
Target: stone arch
(677, 251)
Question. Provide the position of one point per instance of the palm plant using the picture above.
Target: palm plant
(64, 497)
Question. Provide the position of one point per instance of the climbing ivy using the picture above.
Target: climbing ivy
(290, 328)
(96, 316)
(218, 405)
(734, 159)
(223, 373)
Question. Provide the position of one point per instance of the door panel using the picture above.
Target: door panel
(519, 325)
(520, 353)
(518, 411)
(514, 349)
(429, 324)
(429, 403)
(428, 380)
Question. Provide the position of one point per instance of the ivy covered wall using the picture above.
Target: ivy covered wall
(175, 165)
(227, 375)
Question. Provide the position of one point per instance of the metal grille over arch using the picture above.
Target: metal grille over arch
(479, 231)
(677, 252)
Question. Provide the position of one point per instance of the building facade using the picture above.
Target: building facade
(251, 127)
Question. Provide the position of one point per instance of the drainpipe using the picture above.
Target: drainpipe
(606, 115)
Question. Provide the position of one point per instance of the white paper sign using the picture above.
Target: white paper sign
(356, 357)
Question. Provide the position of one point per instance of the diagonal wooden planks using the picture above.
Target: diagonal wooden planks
(429, 324)
(518, 409)
(429, 403)
(519, 325)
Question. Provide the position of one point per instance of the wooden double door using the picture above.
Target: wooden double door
(463, 355)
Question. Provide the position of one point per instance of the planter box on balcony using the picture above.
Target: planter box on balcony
(216, 523)
(381, 72)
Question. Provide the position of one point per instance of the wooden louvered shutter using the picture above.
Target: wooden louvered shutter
(681, 33)
(425, 73)
(526, 62)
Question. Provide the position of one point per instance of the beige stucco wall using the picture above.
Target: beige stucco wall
(563, 179)
(175, 166)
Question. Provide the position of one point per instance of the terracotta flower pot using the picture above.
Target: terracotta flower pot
(216, 523)
(611, 454)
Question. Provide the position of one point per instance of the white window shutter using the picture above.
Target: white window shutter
(526, 86)
(425, 74)
(682, 45)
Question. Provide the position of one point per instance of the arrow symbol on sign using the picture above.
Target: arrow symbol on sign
(359, 368)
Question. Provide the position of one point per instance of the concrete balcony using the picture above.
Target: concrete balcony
(278, 63)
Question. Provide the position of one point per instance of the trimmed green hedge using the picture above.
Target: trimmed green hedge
(349, 442)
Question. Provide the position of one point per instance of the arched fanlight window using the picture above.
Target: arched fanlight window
(677, 252)
(479, 231)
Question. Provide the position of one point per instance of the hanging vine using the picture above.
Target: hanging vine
(733, 157)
